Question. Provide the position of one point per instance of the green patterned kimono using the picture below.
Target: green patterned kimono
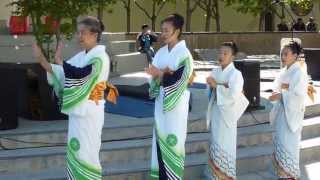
(73, 82)
(171, 112)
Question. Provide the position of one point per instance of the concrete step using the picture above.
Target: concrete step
(247, 159)
(128, 63)
(247, 165)
(52, 133)
(123, 47)
(140, 148)
(116, 130)
(34, 159)
(135, 170)
(262, 133)
(309, 171)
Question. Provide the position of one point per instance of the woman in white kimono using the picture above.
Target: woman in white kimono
(226, 104)
(80, 83)
(171, 69)
(288, 112)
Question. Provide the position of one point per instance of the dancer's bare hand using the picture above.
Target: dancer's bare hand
(284, 86)
(275, 97)
(37, 53)
(154, 71)
(167, 70)
(211, 82)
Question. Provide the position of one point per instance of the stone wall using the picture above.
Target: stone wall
(248, 42)
(19, 50)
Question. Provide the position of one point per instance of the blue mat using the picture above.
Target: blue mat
(198, 86)
(128, 106)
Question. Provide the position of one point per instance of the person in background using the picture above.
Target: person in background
(145, 40)
(282, 26)
(299, 25)
(311, 25)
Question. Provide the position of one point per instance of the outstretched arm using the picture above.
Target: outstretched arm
(41, 58)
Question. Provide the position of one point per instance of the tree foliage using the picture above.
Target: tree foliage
(64, 12)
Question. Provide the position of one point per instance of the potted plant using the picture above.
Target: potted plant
(18, 25)
(51, 21)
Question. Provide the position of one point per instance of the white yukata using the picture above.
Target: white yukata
(226, 105)
(171, 112)
(73, 82)
(286, 117)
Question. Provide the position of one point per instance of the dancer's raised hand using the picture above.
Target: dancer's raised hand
(37, 53)
(58, 55)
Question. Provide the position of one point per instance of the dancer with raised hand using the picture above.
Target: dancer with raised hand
(80, 83)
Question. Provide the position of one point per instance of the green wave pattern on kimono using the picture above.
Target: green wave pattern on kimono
(173, 159)
(172, 95)
(77, 169)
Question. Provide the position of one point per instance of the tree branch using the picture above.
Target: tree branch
(161, 6)
(142, 9)
(124, 3)
(214, 9)
(195, 5)
(202, 5)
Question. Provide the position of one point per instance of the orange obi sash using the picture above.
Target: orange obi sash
(98, 93)
(311, 92)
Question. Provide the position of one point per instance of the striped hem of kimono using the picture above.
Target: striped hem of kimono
(75, 93)
(221, 165)
(171, 164)
(154, 174)
(285, 166)
(173, 92)
(80, 170)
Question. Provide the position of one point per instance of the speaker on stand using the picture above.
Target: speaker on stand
(11, 80)
(251, 74)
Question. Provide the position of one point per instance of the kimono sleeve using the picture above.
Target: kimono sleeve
(235, 86)
(79, 82)
(294, 100)
(56, 79)
(154, 89)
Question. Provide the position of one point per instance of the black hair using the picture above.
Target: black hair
(232, 45)
(144, 26)
(94, 25)
(177, 21)
(295, 47)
